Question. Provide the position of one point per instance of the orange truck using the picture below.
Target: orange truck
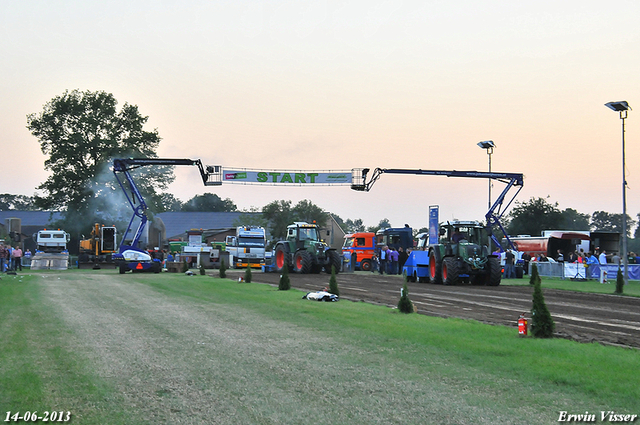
(361, 246)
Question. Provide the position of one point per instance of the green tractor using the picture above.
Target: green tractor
(463, 256)
(304, 252)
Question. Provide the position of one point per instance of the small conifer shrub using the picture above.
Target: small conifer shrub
(535, 276)
(284, 284)
(542, 324)
(619, 282)
(202, 272)
(405, 305)
(223, 268)
(247, 274)
(185, 266)
(333, 284)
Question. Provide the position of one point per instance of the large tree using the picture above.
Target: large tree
(16, 202)
(607, 222)
(534, 216)
(81, 132)
(573, 220)
(280, 214)
(209, 202)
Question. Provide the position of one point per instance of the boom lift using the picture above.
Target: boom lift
(130, 257)
(492, 216)
(461, 253)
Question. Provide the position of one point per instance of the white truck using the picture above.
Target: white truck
(51, 241)
(247, 247)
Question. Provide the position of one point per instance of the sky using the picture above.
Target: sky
(336, 85)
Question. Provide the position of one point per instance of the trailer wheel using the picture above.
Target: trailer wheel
(122, 268)
(450, 272)
(365, 265)
(302, 262)
(435, 269)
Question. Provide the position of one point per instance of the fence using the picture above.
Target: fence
(578, 270)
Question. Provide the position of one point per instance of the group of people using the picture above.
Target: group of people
(390, 260)
(11, 258)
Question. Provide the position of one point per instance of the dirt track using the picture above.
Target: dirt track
(583, 317)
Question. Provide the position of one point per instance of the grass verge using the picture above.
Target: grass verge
(400, 367)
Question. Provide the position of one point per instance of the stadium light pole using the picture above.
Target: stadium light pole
(488, 145)
(623, 107)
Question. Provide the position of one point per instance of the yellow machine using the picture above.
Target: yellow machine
(96, 251)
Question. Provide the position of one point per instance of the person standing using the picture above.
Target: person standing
(384, 256)
(3, 257)
(509, 268)
(402, 258)
(394, 256)
(17, 258)
(603, 257)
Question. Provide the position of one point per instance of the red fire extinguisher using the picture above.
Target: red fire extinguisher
(522, 325)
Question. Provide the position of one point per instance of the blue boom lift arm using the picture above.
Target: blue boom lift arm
(211, 176)
(492, 216)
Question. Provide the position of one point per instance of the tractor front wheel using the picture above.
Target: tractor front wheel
(302, 262)
(450, 272)
(334, 260)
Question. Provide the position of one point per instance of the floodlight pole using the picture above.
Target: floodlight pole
(625, 256)
(488, 145)
(623, 107)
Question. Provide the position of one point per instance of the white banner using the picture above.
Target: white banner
(285, 177)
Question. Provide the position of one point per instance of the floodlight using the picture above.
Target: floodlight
(487, 144)
(618, 106)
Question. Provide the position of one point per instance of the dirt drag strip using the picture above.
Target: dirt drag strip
(583, 317)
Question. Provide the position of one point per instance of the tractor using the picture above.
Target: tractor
(461, 255)
(304, 252)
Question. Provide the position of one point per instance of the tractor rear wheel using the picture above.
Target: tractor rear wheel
(281, 258)
(334, 260)
(450, 272)
(435, 269)
(302, 262)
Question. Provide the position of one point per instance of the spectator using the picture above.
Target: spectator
(615, 259)
(402, 258)
(603, 257)
(393, 257)
(509, 266)
(17, 259)
(384, 257)
(3, 257)
(560, 257)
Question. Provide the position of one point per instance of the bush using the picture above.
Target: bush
(247, 274)
(619, 282)
(223, 268)
(202, 272)
(185, 266)
(535, 277)
(542, 324)
(333, 284)
(284, 284)
(405, 305)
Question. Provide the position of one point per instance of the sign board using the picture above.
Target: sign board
(284, 177)
(434, 216)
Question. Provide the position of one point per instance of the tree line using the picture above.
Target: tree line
(81, 132)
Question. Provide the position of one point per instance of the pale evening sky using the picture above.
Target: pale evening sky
(333, 85)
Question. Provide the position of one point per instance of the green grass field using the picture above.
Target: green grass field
(376, 365)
